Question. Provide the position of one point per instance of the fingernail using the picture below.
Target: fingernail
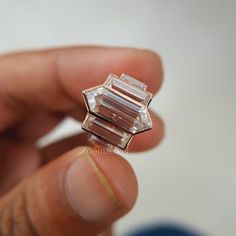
(88, 190)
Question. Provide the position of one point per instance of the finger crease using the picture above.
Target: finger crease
(28, 219)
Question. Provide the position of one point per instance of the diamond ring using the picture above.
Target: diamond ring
(117, 110)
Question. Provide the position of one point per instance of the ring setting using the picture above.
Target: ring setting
(117, 110)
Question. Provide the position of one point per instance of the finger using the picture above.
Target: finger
(53, 150)
(150, 139)
(44, 123)
(81, 193)
(141, 142)
(107, 232)
(52, 80)
(17, 161)
(35, 126)
(27, 158)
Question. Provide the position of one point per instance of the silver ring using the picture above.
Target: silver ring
(117, 110)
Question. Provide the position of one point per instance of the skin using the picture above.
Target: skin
(38, 90)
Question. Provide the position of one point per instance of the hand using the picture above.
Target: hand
(64, 189)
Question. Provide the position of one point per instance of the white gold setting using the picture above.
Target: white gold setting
(117, 110)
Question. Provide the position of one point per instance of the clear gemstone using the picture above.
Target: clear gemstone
(123, 111)
(106, 131)
(128, 89)
(91, 94)
(134, 82)
(95, 140)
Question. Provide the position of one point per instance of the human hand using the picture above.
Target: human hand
(63, 189)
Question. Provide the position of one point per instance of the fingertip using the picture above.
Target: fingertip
(81, 69)
(82, 192)
(121, 176)
(151, 138)
(142, 64)
(108, 177)
(146, 65)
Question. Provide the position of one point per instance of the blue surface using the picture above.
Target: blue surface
(164, 230)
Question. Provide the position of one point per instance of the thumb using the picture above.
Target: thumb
(80, 193)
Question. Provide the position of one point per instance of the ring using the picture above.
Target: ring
(117, 110)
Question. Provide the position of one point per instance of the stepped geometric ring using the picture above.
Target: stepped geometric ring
(117, 110)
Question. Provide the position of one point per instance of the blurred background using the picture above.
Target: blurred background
(190, 178)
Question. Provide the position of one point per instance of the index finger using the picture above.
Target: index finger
(53, 80)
